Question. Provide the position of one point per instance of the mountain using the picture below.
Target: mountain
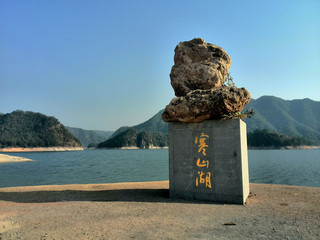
(135, 138)
(266, 138)
(87, 137)
(105, 134)
(299, 118)
(30, 129)
(149, 134)
(119, 131)
(154, 124)
(295, 118)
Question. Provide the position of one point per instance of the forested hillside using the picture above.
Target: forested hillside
(296, 119)
(29, 129)
(134, 138)
(154, 124)
(149, 134)
(288, 122)
(268, 139)
(299, 118)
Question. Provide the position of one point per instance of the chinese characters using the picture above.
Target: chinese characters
(203, 174)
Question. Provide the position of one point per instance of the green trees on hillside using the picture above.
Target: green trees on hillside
(29, 129)
(133, 137)
(266, 138)
(299, 117)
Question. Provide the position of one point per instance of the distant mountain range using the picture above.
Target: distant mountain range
(154, 128)
(154, 124)
(294, 118)
(87, 137)
(295, 121)
(149, 134)
(298, 118)
(134, 138)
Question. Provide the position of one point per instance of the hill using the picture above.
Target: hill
(149, 134)
(29, 129)
(295, 118)
(105, 134)
(268, 139)
(299, 118)
(87, 137)
(134, 138)
(154, 124)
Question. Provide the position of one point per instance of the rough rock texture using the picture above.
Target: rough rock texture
(200, 105)
(198, 78)
(198, 65)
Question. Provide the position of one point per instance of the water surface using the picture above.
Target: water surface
(288, 167)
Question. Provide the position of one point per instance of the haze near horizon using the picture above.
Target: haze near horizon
(106, 64)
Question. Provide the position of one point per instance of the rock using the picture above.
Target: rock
(198, 78)
(200, 105)
(198, 65)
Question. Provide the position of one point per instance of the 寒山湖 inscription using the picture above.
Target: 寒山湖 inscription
(203, 176)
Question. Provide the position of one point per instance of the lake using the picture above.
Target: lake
(286, 167)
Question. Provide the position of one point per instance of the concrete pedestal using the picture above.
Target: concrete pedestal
(209, 161)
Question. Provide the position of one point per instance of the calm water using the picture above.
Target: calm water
(289, 167)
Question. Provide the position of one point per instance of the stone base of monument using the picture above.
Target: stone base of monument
(209, 161)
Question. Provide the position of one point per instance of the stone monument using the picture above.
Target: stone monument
(207, 154)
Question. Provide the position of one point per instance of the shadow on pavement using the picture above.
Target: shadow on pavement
(125, 195)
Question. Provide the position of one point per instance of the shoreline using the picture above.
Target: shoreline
(249, 148)
(4, 158)
(40, 149)
(143, 210)
(61, 149)
(131, 148)
(285, 148)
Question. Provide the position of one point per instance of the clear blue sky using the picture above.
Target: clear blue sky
(106, 64)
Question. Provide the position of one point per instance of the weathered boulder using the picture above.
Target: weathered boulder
(198, 65)
(199, 105)
(198, 78)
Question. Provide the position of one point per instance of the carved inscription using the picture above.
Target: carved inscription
(202, 163)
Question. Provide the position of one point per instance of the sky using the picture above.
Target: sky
(100, 65)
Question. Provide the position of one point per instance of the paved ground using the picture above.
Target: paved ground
(144, 211)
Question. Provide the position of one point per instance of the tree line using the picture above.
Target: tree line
(29, 129)
(266, 138)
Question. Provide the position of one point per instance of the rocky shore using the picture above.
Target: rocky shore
(144, 211)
